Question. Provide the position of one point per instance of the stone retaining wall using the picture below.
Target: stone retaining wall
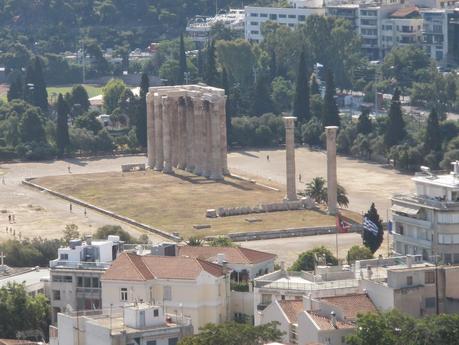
(298, 232)
(101, 210)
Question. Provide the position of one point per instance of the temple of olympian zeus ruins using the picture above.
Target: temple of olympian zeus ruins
(186, 128)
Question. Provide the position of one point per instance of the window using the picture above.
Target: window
(264, 15)
(430, 302)
(151, 342)
(56, 295)
(254, 32)
(254, 23)
(429, 277)
(64, 257)
(301, 18)
(80, 281)
(95, 282)
(124, 294)
(409, 280)
(292, 16)
(265, 299)
(273, 16)
(254, 14)
(155, 312)
(167, 293)
(172, 341)
(87, 282)
(282, 16)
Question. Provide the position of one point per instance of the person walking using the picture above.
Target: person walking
(70, 207)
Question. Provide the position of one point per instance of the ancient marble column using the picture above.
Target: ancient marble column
(158, 119)
(198, 139)
(207, 135)
(332, 183)
(167, 124)
(150, 131)
(173, 113)
(182, 133)
(216, 169)
(223, 132)
(289, 122)
(189, 118)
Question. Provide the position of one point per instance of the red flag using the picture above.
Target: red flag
(341, 225)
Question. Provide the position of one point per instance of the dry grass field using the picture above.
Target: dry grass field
(176, 203)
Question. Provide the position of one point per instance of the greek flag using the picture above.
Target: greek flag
(368, 225)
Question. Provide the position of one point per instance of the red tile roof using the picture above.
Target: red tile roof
(233, 255)
(324, 322)
(292, 308)
(405, 12)
(352, 304)
(133, 267)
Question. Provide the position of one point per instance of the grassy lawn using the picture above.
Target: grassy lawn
(176, 203)
(92, 90)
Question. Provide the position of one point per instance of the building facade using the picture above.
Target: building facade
(426, 222)
(193, 287)
(75, 274)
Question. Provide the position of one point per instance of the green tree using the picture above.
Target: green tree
(371, 240)
(182, 62)
(16, 89)
(330, 112)
(231, 333)
(395, 130)
(70, 233)
(141, 120)
(308, 260)
(106, 230)
(111, 93)
(281, 94)
(62, 128)
(195, 241)
(31, 127)
(19, 311)
(88, 121)
(358, 253)
(301, 98)
(316, 189)
(228, 106)
(221, 241)
(40, 95)
(364, 125)
(311, 132)
(262, 97)
(315, 90)
(210, 67)
(432, 139)
(79, 96)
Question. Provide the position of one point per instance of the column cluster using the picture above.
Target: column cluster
(187, 130)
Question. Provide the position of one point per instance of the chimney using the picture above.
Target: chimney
(333, 319)
(220, 258)
(409, 261)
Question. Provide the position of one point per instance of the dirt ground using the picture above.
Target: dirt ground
(177, 203)
(364, 182)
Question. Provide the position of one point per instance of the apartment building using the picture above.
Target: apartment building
(326, 320)
(402, 28)
(416, 288)
(139, 323)
(195, 288)
(75, 274)
(288, 16)
(426, 222)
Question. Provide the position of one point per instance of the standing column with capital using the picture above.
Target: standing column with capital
(167, 124)
(173, 115)
(216, 170)
(182, 134)
(189, 118)
(332, 183)
(223, 130)
(207, 139)
(158, 119)
(198, 138)
(151, 145)
(289, 122)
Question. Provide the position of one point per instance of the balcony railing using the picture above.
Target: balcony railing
(409, 239)
(426, 201)
(413, 221)
(79, 264)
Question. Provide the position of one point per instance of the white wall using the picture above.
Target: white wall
(381, 296)
(275, 313)
(307, 330)
(241, 302)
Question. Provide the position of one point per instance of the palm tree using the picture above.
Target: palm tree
(343, 200)
(195, 241)
(316, 190)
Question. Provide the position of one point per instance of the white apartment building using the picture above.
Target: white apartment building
(288, 16)
(75, 274)
(136, 324)
(193, 287)
(426, 222)
(401, 28)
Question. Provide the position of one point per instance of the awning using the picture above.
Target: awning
(409, 210)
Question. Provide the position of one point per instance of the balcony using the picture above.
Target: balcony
(425, 224)
(411, 240)
(79, 265)
(419, 200)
